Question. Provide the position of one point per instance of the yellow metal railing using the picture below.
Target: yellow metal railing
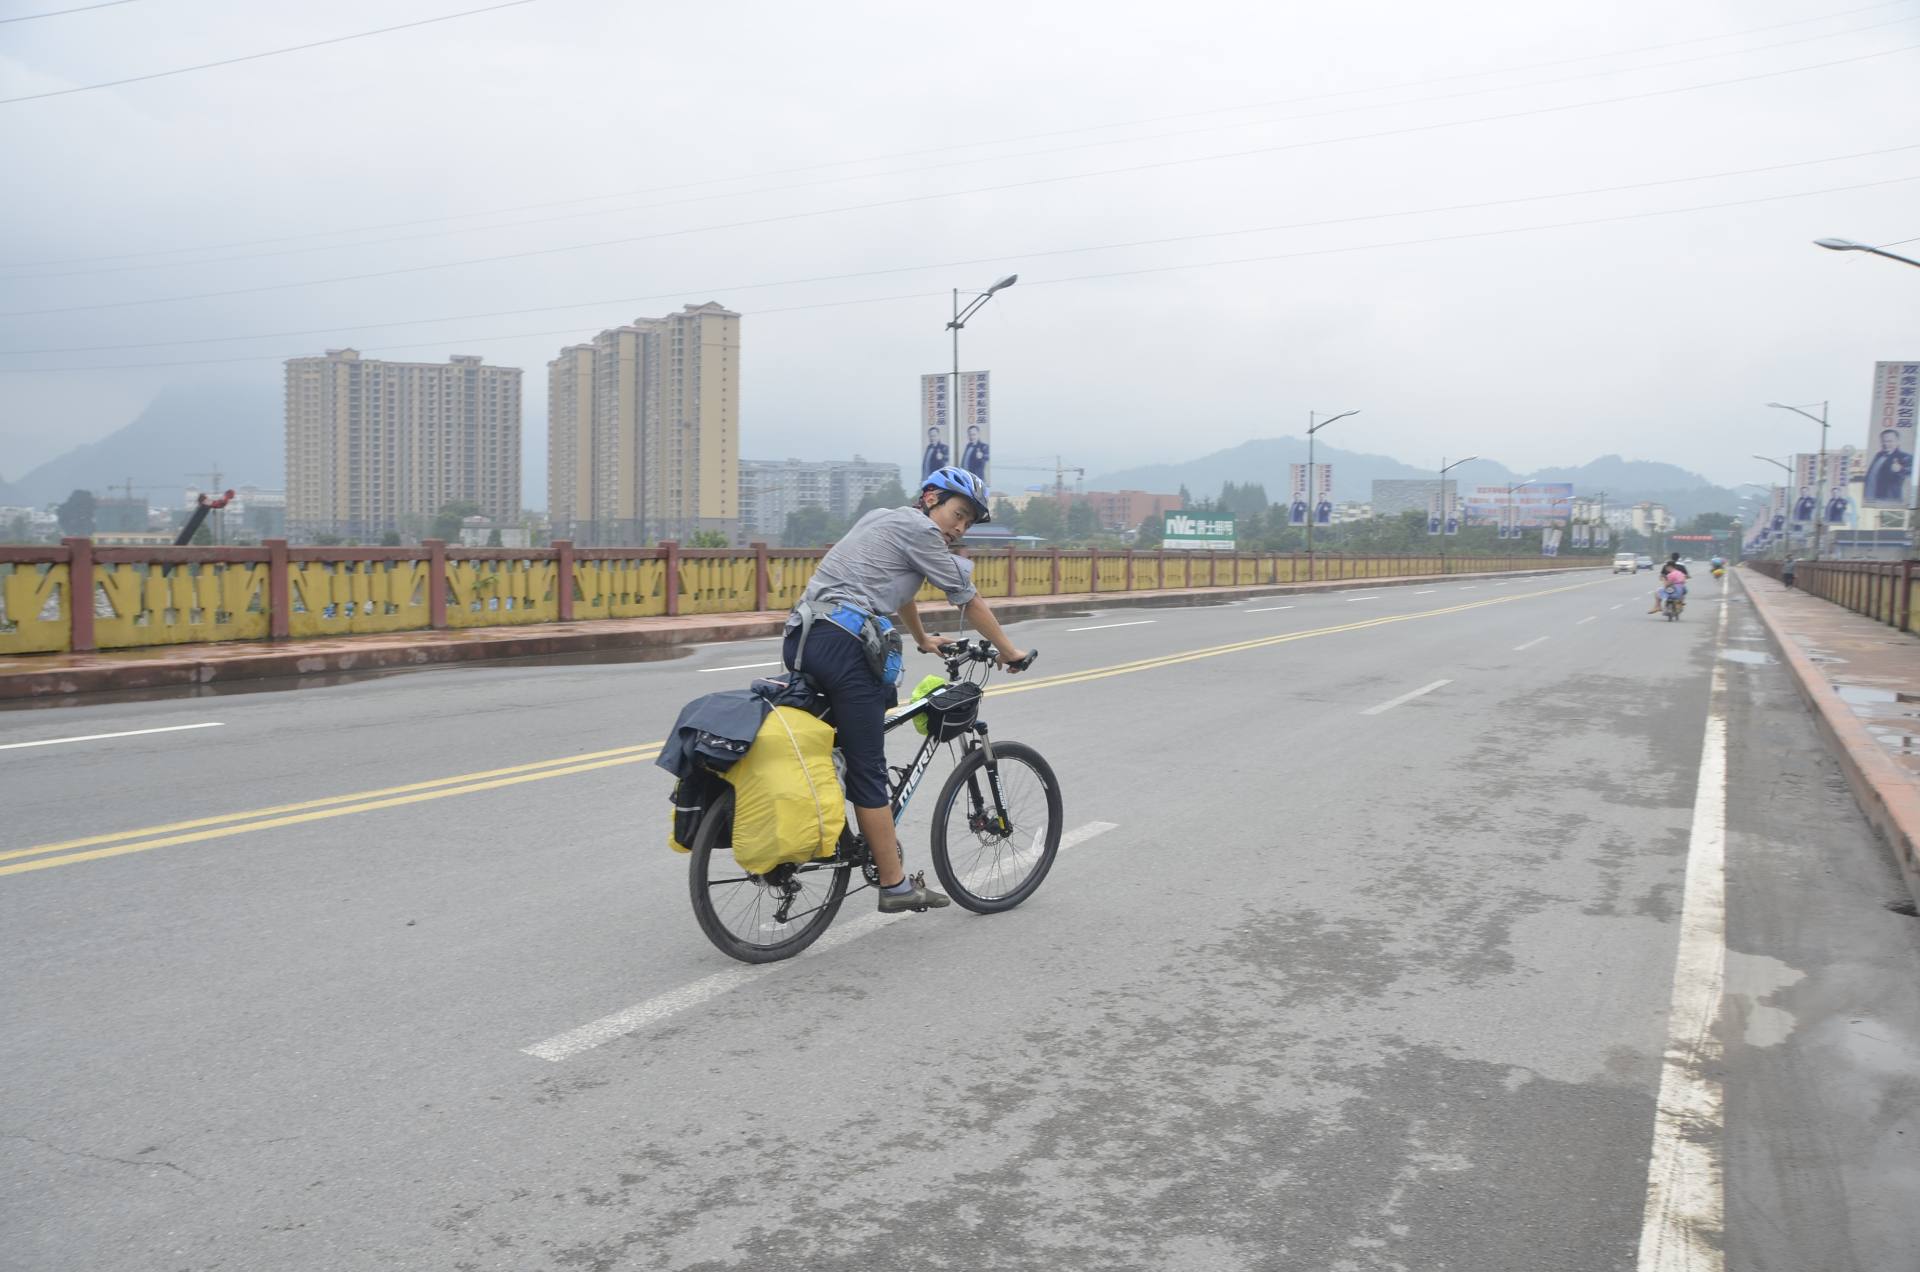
(78, 597)
(34, 598)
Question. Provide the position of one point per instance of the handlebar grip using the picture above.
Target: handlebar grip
(1024, 663)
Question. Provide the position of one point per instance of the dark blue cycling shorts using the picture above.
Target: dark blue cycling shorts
(837, 663)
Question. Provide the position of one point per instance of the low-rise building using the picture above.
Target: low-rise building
(770, 489)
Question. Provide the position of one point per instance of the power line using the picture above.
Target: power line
(1040, 136)
(1021, 255)
(1046, 282)
(928, 198)
(952, 163)
(254, 57)
(61, 13)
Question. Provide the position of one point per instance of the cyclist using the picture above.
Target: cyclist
(1667, 575)
(840, 632)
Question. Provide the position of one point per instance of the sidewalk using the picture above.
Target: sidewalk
(40, 677)
(1862, 681)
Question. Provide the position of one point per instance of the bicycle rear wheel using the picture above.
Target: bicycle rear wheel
(984, 865)
(758, 918)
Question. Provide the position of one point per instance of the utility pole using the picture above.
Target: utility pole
(1313, 428)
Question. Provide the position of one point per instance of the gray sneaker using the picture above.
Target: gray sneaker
(921, 898)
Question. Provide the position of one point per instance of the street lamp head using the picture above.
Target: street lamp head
(1840, 245)
(1003, 284)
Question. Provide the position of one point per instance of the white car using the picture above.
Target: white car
(1625, 563)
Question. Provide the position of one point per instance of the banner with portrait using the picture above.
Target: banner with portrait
(1840, 510)
(935, 420)
(1323, 495)
(1450, 509)
(1890, 424)
(1434, 515)
(1806, 491)
(1776, 509)
(1298, 495)
(975, 424)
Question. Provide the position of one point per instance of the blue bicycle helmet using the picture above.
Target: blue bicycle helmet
(961, 482)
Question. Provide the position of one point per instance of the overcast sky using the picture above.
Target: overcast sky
(1304, 168)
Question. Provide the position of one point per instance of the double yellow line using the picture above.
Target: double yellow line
(95, 847)
(229, 824)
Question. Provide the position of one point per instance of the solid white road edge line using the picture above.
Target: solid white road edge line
(637, 1017)
(1101, 627)
(1530, 644)
(1684, 1225)
(1391, 703)
(742, 667)
(95, 737)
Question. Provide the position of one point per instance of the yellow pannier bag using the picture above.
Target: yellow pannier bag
(787, 801)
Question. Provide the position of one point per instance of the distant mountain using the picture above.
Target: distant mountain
(181, 434)
(1266, 461)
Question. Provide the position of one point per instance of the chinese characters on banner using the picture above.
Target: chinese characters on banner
(974, 423)
(1777, 509)
(1549, 541)
(934, 419)
(1841, 469)
(1433, 513)
(1890, 422)
(1297, 495)
(1806, 490)
(1580, 534)
(1323, 495)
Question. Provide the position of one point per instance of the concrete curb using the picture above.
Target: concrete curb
(1885, 792)
(190, 666)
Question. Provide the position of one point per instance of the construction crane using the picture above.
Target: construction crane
(1059, 469)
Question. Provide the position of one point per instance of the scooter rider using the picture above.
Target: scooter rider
(842, 636)
(1665, 573)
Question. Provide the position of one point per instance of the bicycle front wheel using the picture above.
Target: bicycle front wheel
(995, 840)
(758, 918)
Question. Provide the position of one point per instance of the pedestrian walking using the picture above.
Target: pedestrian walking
(1786, 573)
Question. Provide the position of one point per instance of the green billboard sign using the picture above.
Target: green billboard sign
(1198, 534)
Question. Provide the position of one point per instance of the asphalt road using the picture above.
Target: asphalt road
(1366, 961)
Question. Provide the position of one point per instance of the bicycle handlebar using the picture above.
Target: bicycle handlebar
(965, 651)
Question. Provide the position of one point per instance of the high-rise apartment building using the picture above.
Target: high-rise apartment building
(643, 430)
(772, 488)
(377, 446)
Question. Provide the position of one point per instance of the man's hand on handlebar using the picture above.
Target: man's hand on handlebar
(959, 651)
(932, 643)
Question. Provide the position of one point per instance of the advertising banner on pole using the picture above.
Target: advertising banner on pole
(1580, 534)
(1890, 424)
(1297, 497)
(1434, 517)
(934, 421)
(1806, 490)
(1323, 495)
(1839, 487)
(1550, 541)
(1450, 508)
(976, 432)
(1777, 509)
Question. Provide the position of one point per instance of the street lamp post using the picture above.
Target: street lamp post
(1848, 245)
(959, 321)
(1446, 468)
(1313, 428)
(1820, 471)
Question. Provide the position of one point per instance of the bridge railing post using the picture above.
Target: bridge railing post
(436, 583)
(279, 591)
(563, 579)
(80, 587)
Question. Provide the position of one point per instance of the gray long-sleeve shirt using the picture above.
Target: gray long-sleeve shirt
(882, 562)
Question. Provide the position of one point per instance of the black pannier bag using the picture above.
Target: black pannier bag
(952, 709)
